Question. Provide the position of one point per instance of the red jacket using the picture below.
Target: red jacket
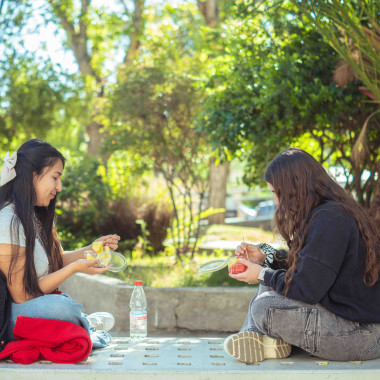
(57, 341)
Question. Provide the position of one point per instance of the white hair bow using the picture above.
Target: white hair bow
(8, 171)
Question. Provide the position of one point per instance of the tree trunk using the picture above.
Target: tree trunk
(218, 190)
(95, 142)
(77, 39)
(209, 10)
(137, 31)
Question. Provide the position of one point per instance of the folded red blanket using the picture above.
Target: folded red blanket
(57, 341)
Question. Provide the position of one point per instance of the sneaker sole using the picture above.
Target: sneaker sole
(251, 347)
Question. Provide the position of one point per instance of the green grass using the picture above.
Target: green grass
(166, 270)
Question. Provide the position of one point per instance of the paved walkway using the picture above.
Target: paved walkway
(197, 358)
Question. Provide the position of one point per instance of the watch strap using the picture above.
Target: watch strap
(261, 276)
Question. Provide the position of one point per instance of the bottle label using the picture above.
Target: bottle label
(138, 316)
(138, 322)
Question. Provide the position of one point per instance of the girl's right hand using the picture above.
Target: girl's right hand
(88, 267)
(250, 275)
(252, 252)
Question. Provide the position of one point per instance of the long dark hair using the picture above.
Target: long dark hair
(32, 158)
(301, 184)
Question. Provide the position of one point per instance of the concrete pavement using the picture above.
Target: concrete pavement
(195, 358)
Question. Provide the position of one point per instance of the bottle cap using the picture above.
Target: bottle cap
(138, 283)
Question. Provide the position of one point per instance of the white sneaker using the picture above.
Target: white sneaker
(251, 347)
(101, 320)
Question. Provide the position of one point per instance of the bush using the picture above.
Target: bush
(82, 202)
(157, 219)
(88, 208)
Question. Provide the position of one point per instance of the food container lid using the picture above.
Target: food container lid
(213, 266)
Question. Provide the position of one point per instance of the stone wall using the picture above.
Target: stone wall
(218, 309)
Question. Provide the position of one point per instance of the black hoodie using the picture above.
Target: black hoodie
(330, 268)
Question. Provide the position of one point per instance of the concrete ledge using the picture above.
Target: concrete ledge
(174, 310)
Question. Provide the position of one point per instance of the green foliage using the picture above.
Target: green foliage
(128, 173)
(83, 201)
(157, 108)
(274, 88)
(255, 83)
(143, 239)
(37, 96)
(351, 27)
(102, 27)
(152, 112)
(91, 206)
(30, 99)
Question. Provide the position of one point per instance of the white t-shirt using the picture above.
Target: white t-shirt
(41, 261)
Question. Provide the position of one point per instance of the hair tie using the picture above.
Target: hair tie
(8, 171)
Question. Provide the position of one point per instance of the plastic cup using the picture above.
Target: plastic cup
(90, 255)
(104, 258)
(113, 261)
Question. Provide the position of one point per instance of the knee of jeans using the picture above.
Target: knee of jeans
(259, 312)
(63, 308)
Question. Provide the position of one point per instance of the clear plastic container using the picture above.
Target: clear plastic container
(234, 266)
(113, 261)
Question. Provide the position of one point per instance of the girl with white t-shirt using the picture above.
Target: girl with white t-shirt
(31, 257)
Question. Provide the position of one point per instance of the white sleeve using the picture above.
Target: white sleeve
(6, 225)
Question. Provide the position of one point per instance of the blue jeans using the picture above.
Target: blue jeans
(59, 307)
(312, 327)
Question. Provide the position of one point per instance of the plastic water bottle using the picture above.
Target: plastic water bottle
(138, 316)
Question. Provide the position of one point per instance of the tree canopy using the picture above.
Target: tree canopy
(173, 88)
(275, 88)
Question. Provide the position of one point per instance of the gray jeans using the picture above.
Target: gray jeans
(312, 327)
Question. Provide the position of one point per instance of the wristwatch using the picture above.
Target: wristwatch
(261, 276)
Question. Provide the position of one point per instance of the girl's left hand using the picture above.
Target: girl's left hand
(110, 241)
(250, 275)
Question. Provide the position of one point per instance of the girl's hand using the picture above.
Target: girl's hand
(88, 267)
(252, 252)
(110, 241)
(250, 275)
